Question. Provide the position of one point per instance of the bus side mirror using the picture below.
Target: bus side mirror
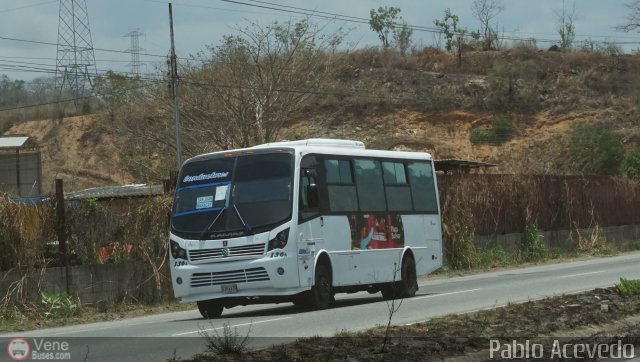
(312, 196)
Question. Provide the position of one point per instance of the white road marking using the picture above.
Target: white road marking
(443, 294)
(234, 326)
(581, 274)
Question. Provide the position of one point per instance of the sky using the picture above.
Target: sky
(199, 23)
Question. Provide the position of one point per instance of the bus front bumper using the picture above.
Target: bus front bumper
(264, 277)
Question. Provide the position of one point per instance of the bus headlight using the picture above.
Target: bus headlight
(280, 241)
(177, 252)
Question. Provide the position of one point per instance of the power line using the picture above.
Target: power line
(97, 60)
(73, 99)
(360, 20)
(28, 6)
(95, 49)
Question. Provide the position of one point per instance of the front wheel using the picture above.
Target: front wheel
(210, 309)
(322, 295)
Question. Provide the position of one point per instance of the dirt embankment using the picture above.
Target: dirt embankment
(426, 102)
(598, 317)
(76, 149)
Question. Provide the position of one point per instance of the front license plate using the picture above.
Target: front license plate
(229, 288)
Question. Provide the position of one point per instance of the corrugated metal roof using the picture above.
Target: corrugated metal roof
(456, 164)
(12, 142)
(117, 192)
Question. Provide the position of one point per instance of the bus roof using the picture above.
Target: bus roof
(317, 142)
(329, 146)
(342, 147)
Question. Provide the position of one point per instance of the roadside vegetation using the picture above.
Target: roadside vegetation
(25, 232)
(592, 315)
(468, 93)
(15, 318)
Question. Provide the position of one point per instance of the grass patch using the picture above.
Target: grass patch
(500, 131)
(459, 334)
(344, 333)
(494, 257)
(14, 319)
(629, 287)
(59, 305)
(230, 341)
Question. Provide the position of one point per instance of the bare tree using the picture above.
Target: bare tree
(633, 17)
(485, 11)
(241, 92)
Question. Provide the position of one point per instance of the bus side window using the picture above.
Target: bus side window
(309, 199)
(423, 187)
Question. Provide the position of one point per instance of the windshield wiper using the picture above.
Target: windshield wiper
(213, 223)
(245, 225)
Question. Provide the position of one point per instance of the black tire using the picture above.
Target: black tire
(301, 300)
(409, 281)
(408, 284)
(322, 295)
(389, 291)
(210, 309)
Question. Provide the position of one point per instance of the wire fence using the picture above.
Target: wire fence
(500, 204)
(124, 230)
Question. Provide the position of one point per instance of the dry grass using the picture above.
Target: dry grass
(468, 334)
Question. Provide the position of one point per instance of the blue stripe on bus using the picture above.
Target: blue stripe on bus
(197, 211)
(204, 185)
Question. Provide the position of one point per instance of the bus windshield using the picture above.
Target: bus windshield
(232, 196)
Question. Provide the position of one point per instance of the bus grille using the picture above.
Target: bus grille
(218, 253)
(229, 277)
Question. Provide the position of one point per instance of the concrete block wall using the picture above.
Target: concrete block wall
(622, 237)
(90, 284)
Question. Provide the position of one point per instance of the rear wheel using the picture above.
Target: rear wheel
(408, 284)
(210, 309)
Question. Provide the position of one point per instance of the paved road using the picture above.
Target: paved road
(156, 337)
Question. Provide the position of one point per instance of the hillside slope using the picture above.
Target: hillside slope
(77, 150)
(423, 102)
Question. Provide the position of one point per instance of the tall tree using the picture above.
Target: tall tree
(454, 35)
(633, 17)
(402, 37)
(115, 91)
(241, 92)
(383, 21)
(485, 11)
(12, 92)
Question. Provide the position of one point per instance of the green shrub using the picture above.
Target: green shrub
(531, 247)
(629, 287)
(462, 251)
(500, 132)
(630, 165)
(595, 149)
(59, 305)
(494, 256)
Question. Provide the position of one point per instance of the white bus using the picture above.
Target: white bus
(300, 221)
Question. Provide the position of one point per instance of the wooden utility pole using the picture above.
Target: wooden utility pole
(174, 91)
(60, 228)
(18, 191)
(60, 225)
